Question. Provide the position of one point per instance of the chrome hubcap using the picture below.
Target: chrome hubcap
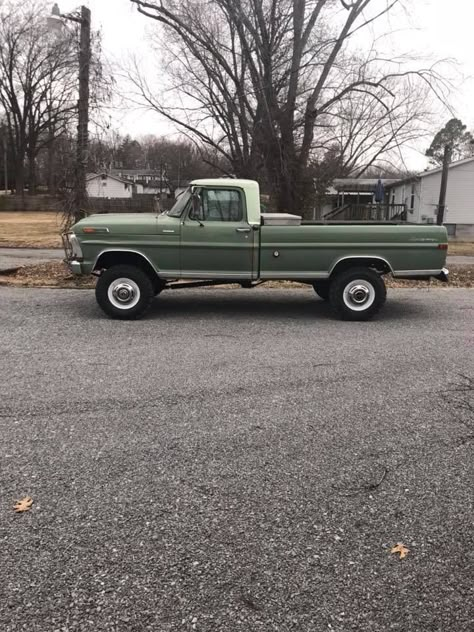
(123, 293)
(359, 295)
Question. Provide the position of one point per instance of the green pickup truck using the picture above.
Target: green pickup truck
(216, 233)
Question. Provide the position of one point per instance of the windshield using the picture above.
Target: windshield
(180, 204)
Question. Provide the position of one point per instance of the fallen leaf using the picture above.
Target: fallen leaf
(24, 504)
(402, 550)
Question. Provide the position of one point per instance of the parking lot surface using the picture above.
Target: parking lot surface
(238, 460)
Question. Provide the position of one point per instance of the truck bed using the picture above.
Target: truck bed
(316, 247)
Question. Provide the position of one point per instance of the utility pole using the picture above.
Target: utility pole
(5, 162)
(447, 156)
(161, 185)
(82, 150)
(80, 193)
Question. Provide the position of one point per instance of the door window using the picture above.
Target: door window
(221, 205)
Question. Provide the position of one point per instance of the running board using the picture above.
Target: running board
(178, 285)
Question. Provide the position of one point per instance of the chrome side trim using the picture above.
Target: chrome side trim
(135, 252)
(286, 276)
(361, 256)
(330, 245)
(415, 273)
(174, 274)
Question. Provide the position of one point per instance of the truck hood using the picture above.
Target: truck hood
(117, 223)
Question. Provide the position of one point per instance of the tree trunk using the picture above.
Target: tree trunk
(50, 176)
(20, 177)
(285, 175)
(31, 174)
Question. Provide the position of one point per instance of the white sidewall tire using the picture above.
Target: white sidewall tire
(357, 293)
(112, 288)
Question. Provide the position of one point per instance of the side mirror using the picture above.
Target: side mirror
(196, 212)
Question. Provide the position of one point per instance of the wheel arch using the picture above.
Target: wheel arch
(117, 256)
(377, 263)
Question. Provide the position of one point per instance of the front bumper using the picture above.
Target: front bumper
(74, 266)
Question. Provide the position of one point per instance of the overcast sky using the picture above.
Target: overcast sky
(436, 28)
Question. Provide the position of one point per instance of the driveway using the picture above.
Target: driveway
(11, 258)
(460, 260)
(237, 461)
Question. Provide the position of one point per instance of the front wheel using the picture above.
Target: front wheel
(357, 294)
(124, 292)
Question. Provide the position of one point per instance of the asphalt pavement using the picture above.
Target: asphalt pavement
(238, 460)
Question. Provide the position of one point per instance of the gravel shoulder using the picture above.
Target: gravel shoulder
(236, 461)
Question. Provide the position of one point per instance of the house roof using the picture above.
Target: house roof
(92, 176)
(137, 172)
(430, 172)
(358, 185)
(453, 165)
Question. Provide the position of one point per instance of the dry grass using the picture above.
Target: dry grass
(30, 229)
(57, 275)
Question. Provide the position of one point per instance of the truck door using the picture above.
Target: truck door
(216, 239)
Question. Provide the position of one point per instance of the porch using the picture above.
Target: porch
(376, 212)
(354, 199)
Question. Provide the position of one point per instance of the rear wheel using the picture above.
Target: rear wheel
(357, 294)
(124, 292)
(322, 289)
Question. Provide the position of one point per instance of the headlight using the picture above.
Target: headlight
(74, 246)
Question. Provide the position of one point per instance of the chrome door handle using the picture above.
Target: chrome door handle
(243, 230)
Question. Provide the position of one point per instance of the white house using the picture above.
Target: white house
(420, 194)
(103, 185)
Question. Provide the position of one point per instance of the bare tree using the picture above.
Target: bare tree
(262, 82)
(181, 159)
(370, 132)
(37, 86)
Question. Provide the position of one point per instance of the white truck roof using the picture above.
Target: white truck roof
(250, 187)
